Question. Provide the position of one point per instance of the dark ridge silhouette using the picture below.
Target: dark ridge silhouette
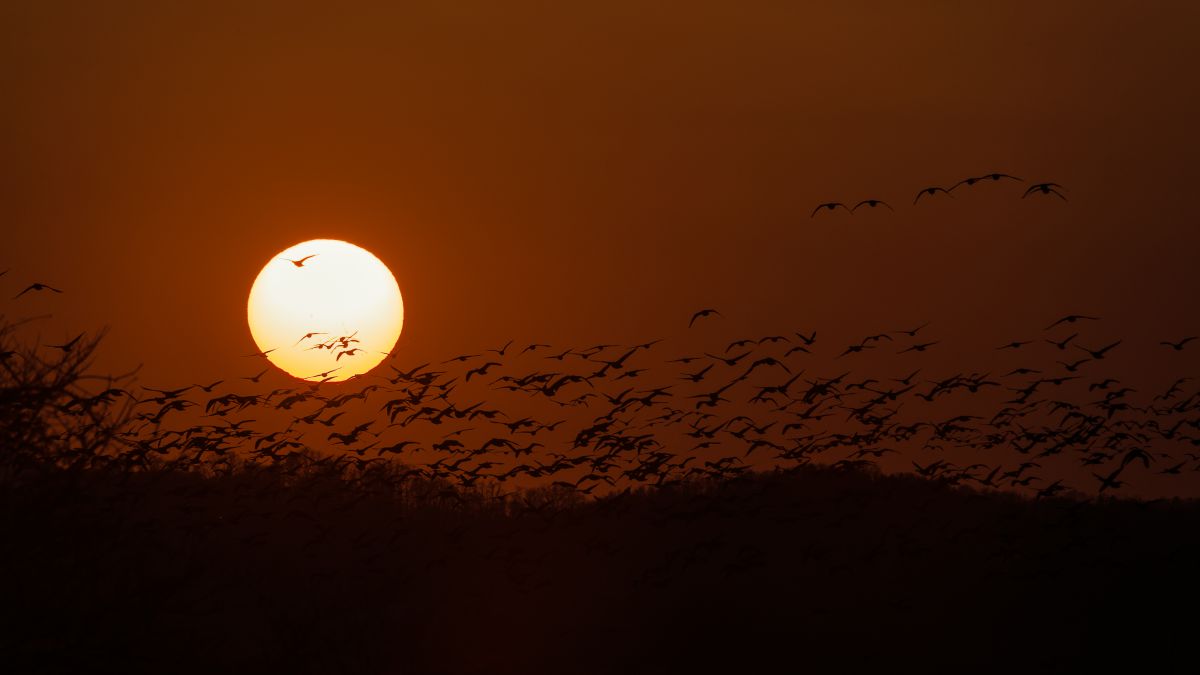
(621, 537)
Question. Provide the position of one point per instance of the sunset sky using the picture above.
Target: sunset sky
(596, 172)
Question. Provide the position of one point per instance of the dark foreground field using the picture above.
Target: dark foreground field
(814, 569)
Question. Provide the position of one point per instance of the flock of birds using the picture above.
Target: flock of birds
(600, 418)
(1046, 188)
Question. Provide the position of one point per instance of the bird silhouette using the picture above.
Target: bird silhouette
(1098, 353)
(36, 286)
(255, 378)
(1178, 346)
(917, 347)
(69, 345)
(871, 203)
(929, 192)
(1072, 318)
(830, 206)
(259, 354)
(307, 336)
(300, 262)
(1045, 189)
(701, 314)
(988, 176)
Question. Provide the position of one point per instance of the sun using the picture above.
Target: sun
(325, 309)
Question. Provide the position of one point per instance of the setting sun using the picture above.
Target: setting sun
(325, 309)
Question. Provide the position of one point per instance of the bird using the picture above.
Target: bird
(830, 206)
(36, 286)
(872, 203)
(701, 314)
(977, 179)
(262, 354)
(931, 191)
(1073, 367)
(1072, 318)
(348, 352)
(1062, 344)
(912, 332)
(481, 370)
(917, 347)
(67, 346)
(1098, 353)
(300, 262)
(306, 337)
(1178, 346)
(1015, 344)
(1045, 189)
(255, 378)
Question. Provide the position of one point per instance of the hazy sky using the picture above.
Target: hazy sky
(584, 172)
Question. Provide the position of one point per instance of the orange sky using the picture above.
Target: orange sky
(547, 172)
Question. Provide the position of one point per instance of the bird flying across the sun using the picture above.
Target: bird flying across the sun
(36, 286)
(829, 206)
(324, 374)
(979, 179)
(701, 314)
(307, 336)
(1045, 189)
(931, 191)
(300, 262)
(872, 203)
(349, 352)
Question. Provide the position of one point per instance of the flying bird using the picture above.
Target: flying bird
(255, 378)
(262, 354)
(1099, 353)
(872, 203)
(1045, 189)
(829, 206)
(67, 346)
(307, 336)
(931, 191)
(917, 347)
(300, 262)
(36, 286)
(979, 179)
(1178, 346)
(1062, 344)
(701, 314)
(1072, 318)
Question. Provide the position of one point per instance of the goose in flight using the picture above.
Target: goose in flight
(701, 314)
(829, 206)
(987, 176)
(1045, 189)
(872, 203)
(36, 286)
(1178, 346)
(300, 262)
(931, 191)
